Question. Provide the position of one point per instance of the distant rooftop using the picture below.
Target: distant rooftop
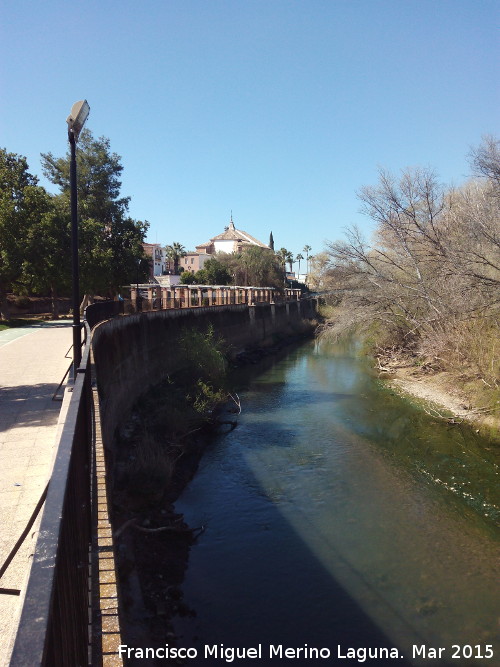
(238, 236)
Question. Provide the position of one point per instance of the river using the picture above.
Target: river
(341, 517)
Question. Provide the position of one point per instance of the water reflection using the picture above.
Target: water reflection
(326, 522)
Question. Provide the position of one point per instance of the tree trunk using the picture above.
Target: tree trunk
(4, 307)
(88, 299)
(54, 303)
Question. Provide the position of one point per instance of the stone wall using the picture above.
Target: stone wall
(133, 353)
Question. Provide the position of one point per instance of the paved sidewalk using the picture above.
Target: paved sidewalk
(32, 363)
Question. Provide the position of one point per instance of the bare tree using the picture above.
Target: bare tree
(430, 278)
(485, 160)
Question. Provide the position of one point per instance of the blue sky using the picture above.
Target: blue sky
(279, 110)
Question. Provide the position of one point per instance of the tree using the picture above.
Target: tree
(174, 252)
(320, 276)
(46, 267)
(398, 278)
(298, 259)
(283, 256)
(271, 241)
(254, 265)
(214, 272)
(190, 278)
(110, 241)
(307, 249)
(22, 204)
(260, 265)
(429, 282)
(485, 160)
(99, 182)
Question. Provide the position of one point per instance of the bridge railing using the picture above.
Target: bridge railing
(54, 625)
(147, 297)
(151, 297)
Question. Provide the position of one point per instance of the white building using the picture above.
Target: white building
(158, 258)
(231, 240)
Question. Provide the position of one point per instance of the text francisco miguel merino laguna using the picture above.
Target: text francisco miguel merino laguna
(231, 653)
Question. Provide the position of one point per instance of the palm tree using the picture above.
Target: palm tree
(289, 259)
(175, 252)
(306, 249)
(298, 259)
(283, 255)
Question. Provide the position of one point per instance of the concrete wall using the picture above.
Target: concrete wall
(135, 352)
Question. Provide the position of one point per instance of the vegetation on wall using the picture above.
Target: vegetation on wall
(167, 418)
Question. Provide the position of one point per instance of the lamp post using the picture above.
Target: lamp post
(137, 296)
(76, 120)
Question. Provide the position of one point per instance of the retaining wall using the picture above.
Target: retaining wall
(133, 353)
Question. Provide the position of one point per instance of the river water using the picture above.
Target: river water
(340, 516)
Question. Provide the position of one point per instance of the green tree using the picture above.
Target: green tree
(174, 252)
(22, 203)
(214, 272)
(260, 266)
(190, 278)
(46, 267)
(110, 241)
(298, 259)
(283, 255)
(254, 265)
(271, 241)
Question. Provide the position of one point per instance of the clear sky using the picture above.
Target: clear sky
(276, 110)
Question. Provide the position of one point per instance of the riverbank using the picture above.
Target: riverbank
(445, 396)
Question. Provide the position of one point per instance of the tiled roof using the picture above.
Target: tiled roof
(233, 234)
(228, 235)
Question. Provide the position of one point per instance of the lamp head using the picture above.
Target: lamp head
(77, 117)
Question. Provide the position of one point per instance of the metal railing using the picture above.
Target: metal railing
(54, 625)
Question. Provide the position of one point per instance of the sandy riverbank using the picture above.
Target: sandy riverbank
(443, 396)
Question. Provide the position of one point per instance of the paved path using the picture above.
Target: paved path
(32, 363)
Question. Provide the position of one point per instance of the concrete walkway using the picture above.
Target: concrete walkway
(32, 363)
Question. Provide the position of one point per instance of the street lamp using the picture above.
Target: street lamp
(76, 120)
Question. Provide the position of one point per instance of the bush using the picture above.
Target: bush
(150, 469)
(204, 354)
